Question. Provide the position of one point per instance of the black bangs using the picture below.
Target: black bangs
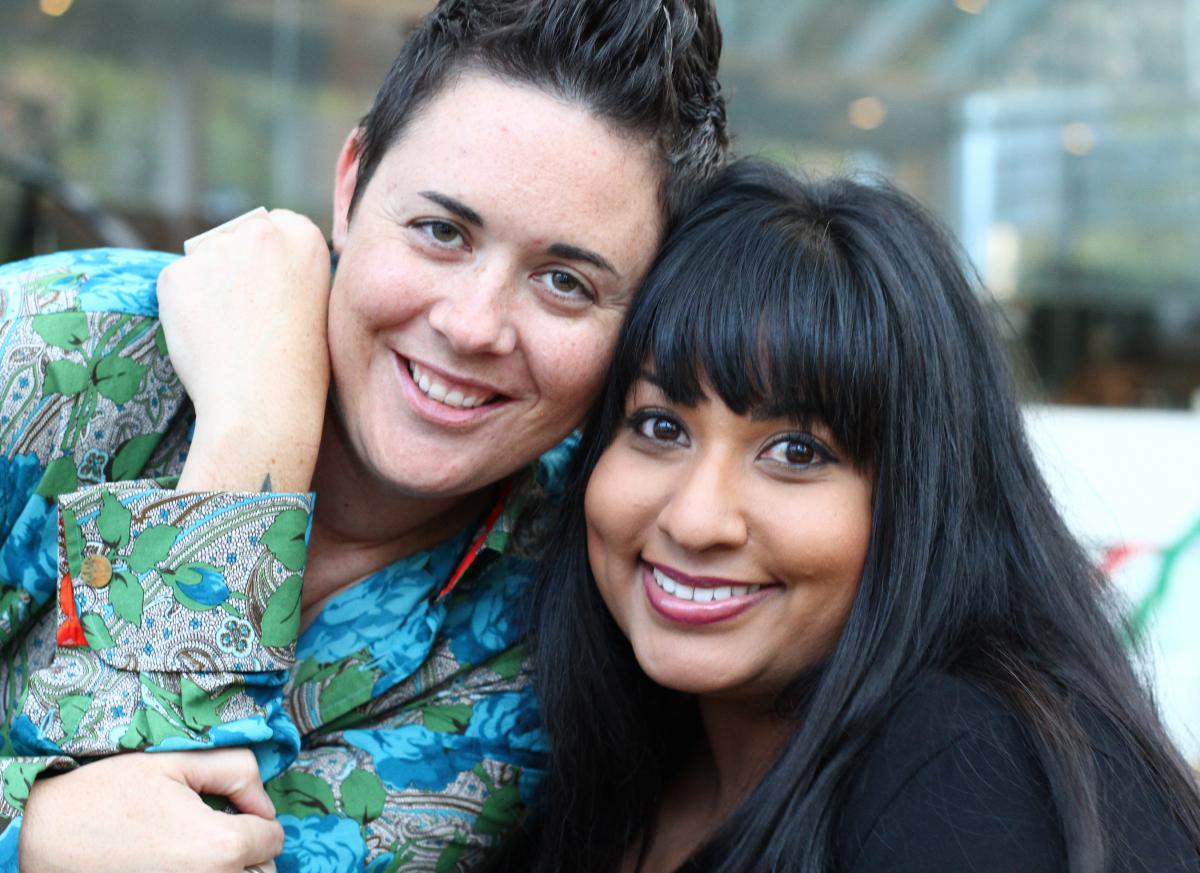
(753, 299)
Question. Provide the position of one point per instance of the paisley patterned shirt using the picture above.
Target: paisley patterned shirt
(399, 731)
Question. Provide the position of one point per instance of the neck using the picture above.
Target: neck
(743, 740)
(363, 523)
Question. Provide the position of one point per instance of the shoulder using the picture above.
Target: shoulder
(950, 781)
(87, 280)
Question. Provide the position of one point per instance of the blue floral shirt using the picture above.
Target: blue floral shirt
(398, 731)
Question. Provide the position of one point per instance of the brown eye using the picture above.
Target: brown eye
(658, 428)
(799, 453)
(664, 429)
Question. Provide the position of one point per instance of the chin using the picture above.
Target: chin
(691, 677)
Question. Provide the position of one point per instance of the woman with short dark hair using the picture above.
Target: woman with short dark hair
(493, 216)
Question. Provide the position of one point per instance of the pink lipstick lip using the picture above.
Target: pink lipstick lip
(689, 612)
(698, 581)
(441, 414)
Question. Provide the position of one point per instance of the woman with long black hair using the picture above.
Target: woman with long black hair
(812, 607)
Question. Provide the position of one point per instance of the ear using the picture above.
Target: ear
(344, 180)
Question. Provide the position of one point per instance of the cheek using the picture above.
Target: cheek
(569, 362)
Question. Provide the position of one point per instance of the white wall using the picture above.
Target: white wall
(1128, 482)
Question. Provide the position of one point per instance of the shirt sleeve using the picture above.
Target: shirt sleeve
(176, 624)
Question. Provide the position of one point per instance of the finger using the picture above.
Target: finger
(231, 773)
(260, 841)
(190, 244)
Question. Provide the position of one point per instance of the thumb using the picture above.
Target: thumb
(231, 773)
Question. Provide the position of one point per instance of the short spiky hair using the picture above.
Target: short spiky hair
(649, 67)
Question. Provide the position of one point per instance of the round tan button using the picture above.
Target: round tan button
(96, 571)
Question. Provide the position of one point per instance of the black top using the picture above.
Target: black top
(952, 785)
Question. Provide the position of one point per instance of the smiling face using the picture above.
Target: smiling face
(480, 284)
(727, 548)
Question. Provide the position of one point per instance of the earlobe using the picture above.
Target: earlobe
(345, 180)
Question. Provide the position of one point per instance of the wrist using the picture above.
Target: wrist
(251, 454)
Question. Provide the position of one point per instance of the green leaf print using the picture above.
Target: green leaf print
(127, 597)
(151, 546)
(18, 779)
(363, 796)
(200, 709)
(118, 378)
(135, 736)
(95, 631)
(300, 794)
(281, 618)
(447, 862)
(160, 341)
(161, 728)
(60, 477)
(131, 457)
(71, 711)
(64, 330)
(500, 812)
(74, 538)
(510, 662)
(114, 522)
(348, 690)
(64, 377)
(285, 538)
(447, 718)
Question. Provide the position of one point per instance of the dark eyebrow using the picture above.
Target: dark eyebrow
(575, 253)
(462, 210)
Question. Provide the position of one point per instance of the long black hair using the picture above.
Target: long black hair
(846, 303)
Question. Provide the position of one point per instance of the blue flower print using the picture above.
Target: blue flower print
(208, 589)
(19, 476)
(320, 844)
(511, 718)
(409, 756)
(236, 636)
(28, 558)
(492, 619)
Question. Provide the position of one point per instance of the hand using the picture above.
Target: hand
(142, 812)
(245, 321)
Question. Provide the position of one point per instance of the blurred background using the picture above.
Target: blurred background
(1059, 138)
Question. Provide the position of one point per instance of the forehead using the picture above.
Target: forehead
(532, 165)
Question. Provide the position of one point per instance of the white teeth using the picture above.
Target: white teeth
(439, 392)
(699, 594)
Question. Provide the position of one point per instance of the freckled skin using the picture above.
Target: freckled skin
(719, 507)
(483, 310)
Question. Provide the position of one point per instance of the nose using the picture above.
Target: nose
(705, 510)
(474, 314)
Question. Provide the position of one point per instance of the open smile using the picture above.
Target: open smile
(444, 400)
(693, 600)
(443, 389)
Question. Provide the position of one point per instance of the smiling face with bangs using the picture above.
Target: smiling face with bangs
(730, 514)
(728, 547)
